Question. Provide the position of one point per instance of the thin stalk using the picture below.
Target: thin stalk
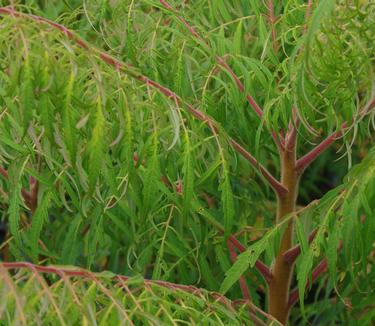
(272, 20)
(291, 255)
(259, 265)
(308, 158)
(233, 256)
(319, 270)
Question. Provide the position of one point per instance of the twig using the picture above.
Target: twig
(242, 281)
(272, 19)
(259, 265)
(308, 158)
(320, 269)
(291, 255)
(308, 13)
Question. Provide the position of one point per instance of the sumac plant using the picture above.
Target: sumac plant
(187, 162)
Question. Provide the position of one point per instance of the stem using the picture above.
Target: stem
(308, 158)
(244, 288)
(320, 269)
(259, 265)
(233, 256)
(278, 296)
(291, 255)
(272, 19)
(308, 14)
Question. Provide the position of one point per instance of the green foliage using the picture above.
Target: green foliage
(130, 181)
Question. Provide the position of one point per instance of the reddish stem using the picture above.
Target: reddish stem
(291, 255)
(272, 19)
(276, 185)
(4, 172)
(182, 20)
(259, 265)
(242, 281)
(320, 269)
(241, 87)
(308, 13)
(308, 158)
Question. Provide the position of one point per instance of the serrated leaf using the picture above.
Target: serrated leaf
(228, 205)
(39, 218)
(188, 176)
(96, 146)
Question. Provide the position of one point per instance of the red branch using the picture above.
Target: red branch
(242, 281)
(308, 158)
(290, 139)
(320, 269)
(259, 265)
(291, 255)
(308, 13)
(182, 20)
(272, 19)
(241, 87)
(277, 186)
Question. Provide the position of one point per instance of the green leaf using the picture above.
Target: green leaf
(27, 94)
(96, 146)
(39, 218)
(237, 40)
(71, 244)
(68, 121)
(228, 205)
(236, 271)
(188, 176)
(151, 177)
(303, 274)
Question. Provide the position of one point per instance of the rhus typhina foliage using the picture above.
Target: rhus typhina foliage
(178, 141)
